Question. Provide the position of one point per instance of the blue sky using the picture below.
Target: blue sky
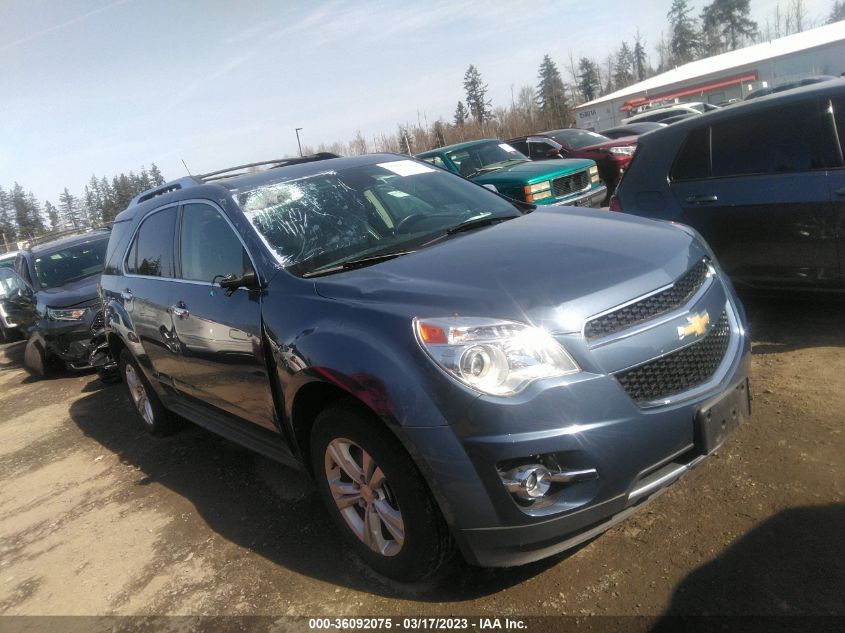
(104, 86)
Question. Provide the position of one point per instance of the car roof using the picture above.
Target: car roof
(216, 183)
(73, 240)
(458, 146)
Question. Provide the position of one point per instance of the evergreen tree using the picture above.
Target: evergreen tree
(69, 210)
(476, 92)
(53, 215)
(460, 114)
(731, 20)
(640, 58)
(551, 95)
(837, 12)
(27, 213)
(623, 67)
(155, 176)
(8, 232)
(589, 83)
(684, 40)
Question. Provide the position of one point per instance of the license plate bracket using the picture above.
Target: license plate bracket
(718, 419)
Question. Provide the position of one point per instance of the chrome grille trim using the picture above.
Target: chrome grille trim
(650, 306)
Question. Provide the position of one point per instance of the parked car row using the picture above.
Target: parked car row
(49, 295)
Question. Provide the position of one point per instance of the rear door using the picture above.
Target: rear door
(756, 187)
(222, 362)
(146, 287)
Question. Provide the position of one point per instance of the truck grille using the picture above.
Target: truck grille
(573, 183)
(98, 322)
(652, 306)
(681, 370)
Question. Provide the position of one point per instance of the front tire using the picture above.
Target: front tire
(376, 495)
(153, 416)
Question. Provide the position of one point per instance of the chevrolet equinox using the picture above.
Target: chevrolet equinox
(454, 368)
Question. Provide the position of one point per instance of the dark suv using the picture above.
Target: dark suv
(452, 367)
(54, 300)
(763, 181)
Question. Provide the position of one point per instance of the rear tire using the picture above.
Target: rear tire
(383, 508)
(152, 414)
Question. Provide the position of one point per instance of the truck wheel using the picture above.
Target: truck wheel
(376, 496)
(155, 418)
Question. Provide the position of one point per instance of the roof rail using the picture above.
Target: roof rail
(279, 162)
(173, 185)
(193, 181)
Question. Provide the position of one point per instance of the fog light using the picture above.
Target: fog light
(528, 482)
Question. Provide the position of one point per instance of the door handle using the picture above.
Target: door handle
(840, 191)
(701, 198)
(180, 311)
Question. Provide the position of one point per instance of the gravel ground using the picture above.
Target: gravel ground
(96, 517)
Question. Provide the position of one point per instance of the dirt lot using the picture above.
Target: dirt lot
(96, 517)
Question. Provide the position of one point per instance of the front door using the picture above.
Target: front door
(146, 288)
(219, 338)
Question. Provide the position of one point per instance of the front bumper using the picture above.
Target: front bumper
(592, 198)
(587, 421)
(70, 340)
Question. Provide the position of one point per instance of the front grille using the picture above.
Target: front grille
(567, 185)
(98, 322)
(652, 306)
(681, 370)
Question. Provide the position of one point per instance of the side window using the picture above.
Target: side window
(539, 149)
(151, 253)
(436, 161)
(693, 161)
(521, 146)
(778, 140)
(209, 246)
(22, 269)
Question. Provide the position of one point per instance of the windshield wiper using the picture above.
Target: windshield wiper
(356, 263)
(469, 225)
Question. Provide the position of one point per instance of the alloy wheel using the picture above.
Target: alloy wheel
(364, 498)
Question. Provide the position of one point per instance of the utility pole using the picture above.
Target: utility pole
(297, 140)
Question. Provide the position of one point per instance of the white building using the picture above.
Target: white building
(718, 79)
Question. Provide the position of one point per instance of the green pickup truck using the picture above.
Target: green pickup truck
(494, 164)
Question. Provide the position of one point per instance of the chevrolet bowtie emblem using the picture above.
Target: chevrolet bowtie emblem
(697, 325)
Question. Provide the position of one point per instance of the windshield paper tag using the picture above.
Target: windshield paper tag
(406, 167)
(507, 147)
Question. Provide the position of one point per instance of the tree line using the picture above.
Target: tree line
(721, 26)
(23, 217)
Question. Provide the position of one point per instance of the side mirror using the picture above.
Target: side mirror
(231, 282)
(553, 153)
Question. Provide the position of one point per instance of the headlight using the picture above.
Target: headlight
(624, 150)
(540, 186)
(493, 356)
(539, 191)
(71, 314)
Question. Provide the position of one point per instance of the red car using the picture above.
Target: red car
(611, 155)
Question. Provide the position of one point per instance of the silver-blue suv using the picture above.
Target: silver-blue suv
(453, 368)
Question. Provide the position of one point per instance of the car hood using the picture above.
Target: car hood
(71, 294)
(530, 171)
(552, 268)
